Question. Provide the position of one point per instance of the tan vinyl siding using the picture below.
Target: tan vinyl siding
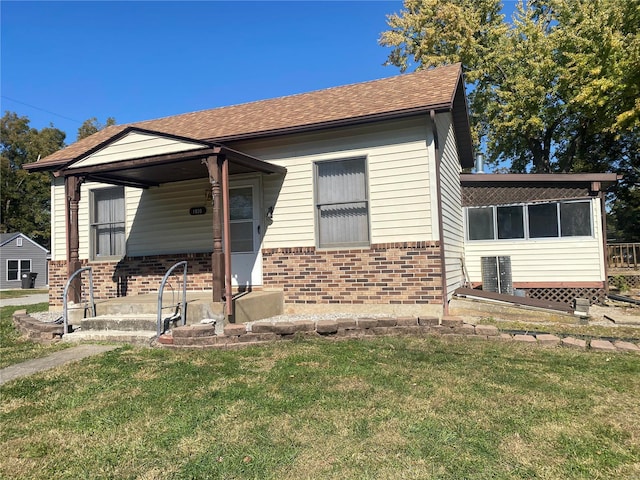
(398, 157)
(136, 145)
(566, 259)
(398, 180)
(452, 222)
(293, 222)
(163, 223)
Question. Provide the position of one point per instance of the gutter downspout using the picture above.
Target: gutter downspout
(443, 270)
(226, 219)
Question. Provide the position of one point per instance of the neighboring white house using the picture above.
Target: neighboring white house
(20, 256)
(344, 199)
(543, 234)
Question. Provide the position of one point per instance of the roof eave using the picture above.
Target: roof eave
(461, 124)
(488, 179)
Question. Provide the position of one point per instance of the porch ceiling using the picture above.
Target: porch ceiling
(178, 168)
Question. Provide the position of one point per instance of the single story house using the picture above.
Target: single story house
(21, 256)
(344, 199)
(539, 235)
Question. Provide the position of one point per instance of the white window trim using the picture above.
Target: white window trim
(92, 224)
(19, 260)
(525, 217)
(367, 201)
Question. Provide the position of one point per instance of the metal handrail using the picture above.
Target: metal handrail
(180, 305)
(92, 304)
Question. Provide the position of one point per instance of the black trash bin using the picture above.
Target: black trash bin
(29, 279)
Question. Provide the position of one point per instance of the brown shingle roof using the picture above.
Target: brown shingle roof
(388, 97)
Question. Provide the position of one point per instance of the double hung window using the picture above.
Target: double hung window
(108, 222)
(15, 269)
(342, 205)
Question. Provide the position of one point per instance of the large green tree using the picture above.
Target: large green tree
(554, 88)
(25, 197)
(541, 84)
(91, 126)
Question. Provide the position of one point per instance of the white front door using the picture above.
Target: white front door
(246, 232)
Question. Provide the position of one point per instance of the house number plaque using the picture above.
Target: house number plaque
(197, 211)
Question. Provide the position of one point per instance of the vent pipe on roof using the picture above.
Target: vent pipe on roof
(479, 162)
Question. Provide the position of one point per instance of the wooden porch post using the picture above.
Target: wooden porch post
(214, 166)
(72, 192)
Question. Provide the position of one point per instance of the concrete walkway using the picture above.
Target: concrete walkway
(26, 300)
(51, 361)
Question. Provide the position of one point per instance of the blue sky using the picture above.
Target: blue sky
(69, 61)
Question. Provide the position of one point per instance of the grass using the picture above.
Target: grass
(396, 408)
(621, 332)
(15, 349)
(19, 293)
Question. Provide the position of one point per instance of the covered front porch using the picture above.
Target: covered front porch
(133, 319)
(182, 185)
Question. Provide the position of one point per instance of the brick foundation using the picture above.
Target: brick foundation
(389, 274)
(133, 275)
(394, 273)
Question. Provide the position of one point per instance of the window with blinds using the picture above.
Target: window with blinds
(108, 223)
(342, 205)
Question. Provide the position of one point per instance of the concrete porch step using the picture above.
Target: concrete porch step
(121, 322)
(140, 337)
(258, 305)
(199, 306)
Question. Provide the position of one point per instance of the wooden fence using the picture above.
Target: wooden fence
(623, 255)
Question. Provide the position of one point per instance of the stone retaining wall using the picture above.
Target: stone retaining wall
(36, 330)
(263, 332)
(241, 335)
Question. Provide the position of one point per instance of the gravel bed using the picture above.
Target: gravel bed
(46, 317)
(316, 316)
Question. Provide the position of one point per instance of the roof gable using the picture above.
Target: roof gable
(132, 143)
(6, 238)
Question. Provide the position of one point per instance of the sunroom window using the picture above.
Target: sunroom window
(480, 223)
(544, 220)
(510, 222)
(575, 219)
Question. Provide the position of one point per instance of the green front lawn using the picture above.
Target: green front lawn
(15, 349)
(387, 408)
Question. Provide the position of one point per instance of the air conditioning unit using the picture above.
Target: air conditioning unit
(496, 274)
